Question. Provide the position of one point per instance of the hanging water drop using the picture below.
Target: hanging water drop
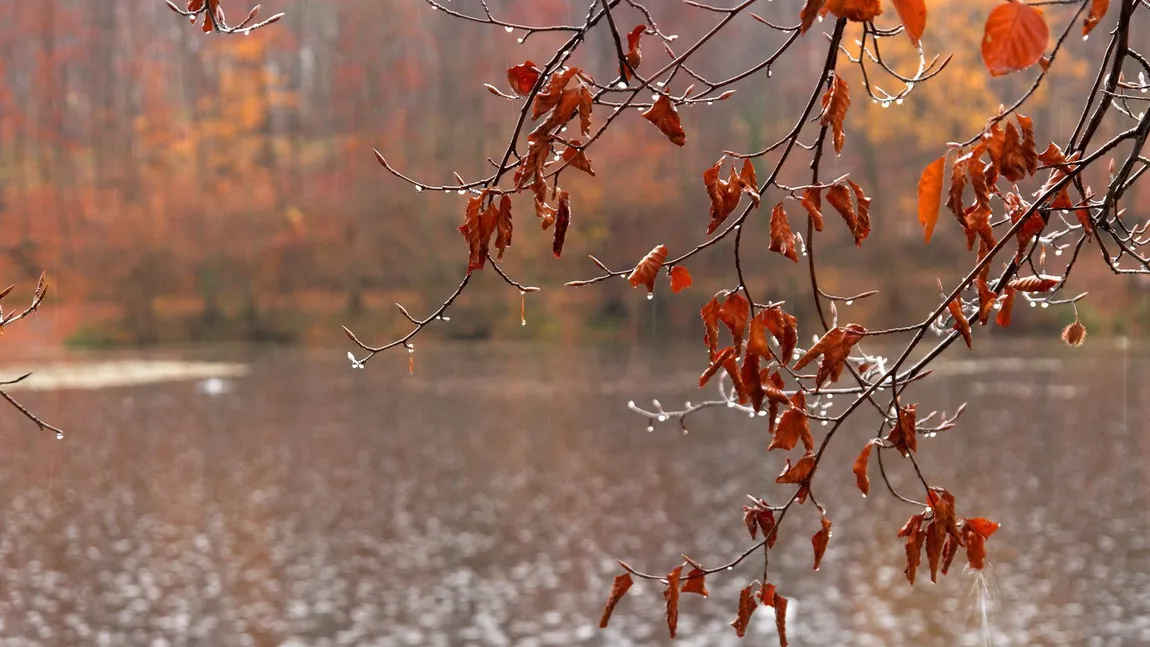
(650, 295)
(622, 85)
(850, 302)
(650, 428)
(1058, 252)
(418, 189)
(461, 192)
(1086, 37)
(1033, 304)
(662, 418)
(1045, 304)
(898, 101)
(519, 40)
(522, 307)
(59, 435)
(509, 29)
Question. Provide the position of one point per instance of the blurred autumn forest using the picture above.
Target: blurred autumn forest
(179, 187)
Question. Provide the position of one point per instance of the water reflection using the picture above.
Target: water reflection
(482, 501)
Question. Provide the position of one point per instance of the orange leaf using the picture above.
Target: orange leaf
(648, 268)
(1035, 283)
(734, 313)
(671, 595)
(749, 182)
(1003, 318)
(503, 224)
(1074, 334)
(622, 583)
(960, 322)
(912, 13)
(984, 527)
(813, 201)
(727, 353)
(752, 380)
(575, 157)
(782, 239)
(1015, 38)
(808, 14)
(680, 279)
(862, 229)
(562, 222)
(799, 472)
(710, 315)
(912, 532)
(747, 606)
(794, 425)
(666, 118)
(634, 53)
(834, 347)
(839, 196)
(836, 100)
(694, 583)
(1098, 9)
(857, 10)
(477, 228)
(523, 77)
(780, 604)
(935, 540)
(904, 436)
(860, 468)
(820, 541)
(930, 195)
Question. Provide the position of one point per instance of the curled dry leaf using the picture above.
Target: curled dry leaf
(813, 202)
(680, 278)
(726, 354)
(747, 606)
(634, 52)
(793, 426)
(666, 118)
(836, 101)
(504, 227)
(1074, 334)
(986, 300)
(912, 530)
(974, 534)
(760, 517)
(782, 238)
(1015, 37)
(960, 322)
(648, 268)
(860, 467)
(930, 195)
(562, 222)
(857, 10)
(1035, 284)
(695, 583)
(1098, 9)
(834, 347)
(912, 13)
(478, 226)
(618, 589)
(904, 436)
(734, 313)
(523, 77)
(780, 605)
(799, 472)
(807, 15)
(574, 156)
(671, 596)
(821, 539)
(725, 194)
(1003, 318)
(839, 196)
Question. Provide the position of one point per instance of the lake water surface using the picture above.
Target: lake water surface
(483, 500)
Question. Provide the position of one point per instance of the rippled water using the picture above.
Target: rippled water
(483, 500)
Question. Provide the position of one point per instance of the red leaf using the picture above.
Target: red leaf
(504, 227)
(794, 425)
(562, 222)
(634, 53)
(575, 157)
(1015, 38)
(747, 606)
(930, 195)
(834, 347)
(1003, 318)
(912, 13)
(813, 201)
(671, 596)
(648, 268)
(680, 279)
(1098, 9)
(860, 468)
(808, 14)
(523, 77)
(666, 118)
(820, 540)
(782, 239)
(836, 100)
(799, 472)
(694, 583)
(622, 583)
(1035, 283)
(734, 313)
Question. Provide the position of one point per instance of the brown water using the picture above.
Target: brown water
(482, 502)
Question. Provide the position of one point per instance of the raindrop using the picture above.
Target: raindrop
(419, 189)
(1033, 304)
(688, 404)
(850, 302)
(820, 18)
(886, 104)
(730, 568)
(730, 405)
(710, 103)
(737, 227)
(650, 295)
(1058, 252)
(662, 418)
(684, 431)
(622, 85)
(461, 192)
(519, 40)
(830, 396)
(864, 496)
(1045, 304)
(1086, 37)
(59, 435)
(650, 428)
(660, 84)
(410, 348)
(509, 29)
(824, 423)
(898, 101)
(769, 73)
(763, 413)
(752, 414)
(630, 404)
